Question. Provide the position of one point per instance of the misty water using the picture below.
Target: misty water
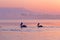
(10, 30)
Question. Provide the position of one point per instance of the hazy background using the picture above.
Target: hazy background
(29, 9)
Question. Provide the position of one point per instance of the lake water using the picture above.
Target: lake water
(10, 30)
(29, 23)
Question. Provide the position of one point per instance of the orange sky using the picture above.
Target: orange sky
(34, 5)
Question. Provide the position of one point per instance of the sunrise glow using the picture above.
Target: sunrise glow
(45, 6)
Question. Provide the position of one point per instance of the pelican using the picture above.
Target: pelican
(38, 25)
(22, 26)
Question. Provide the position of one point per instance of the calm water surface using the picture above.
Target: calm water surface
(29, 23)
(50, 31)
